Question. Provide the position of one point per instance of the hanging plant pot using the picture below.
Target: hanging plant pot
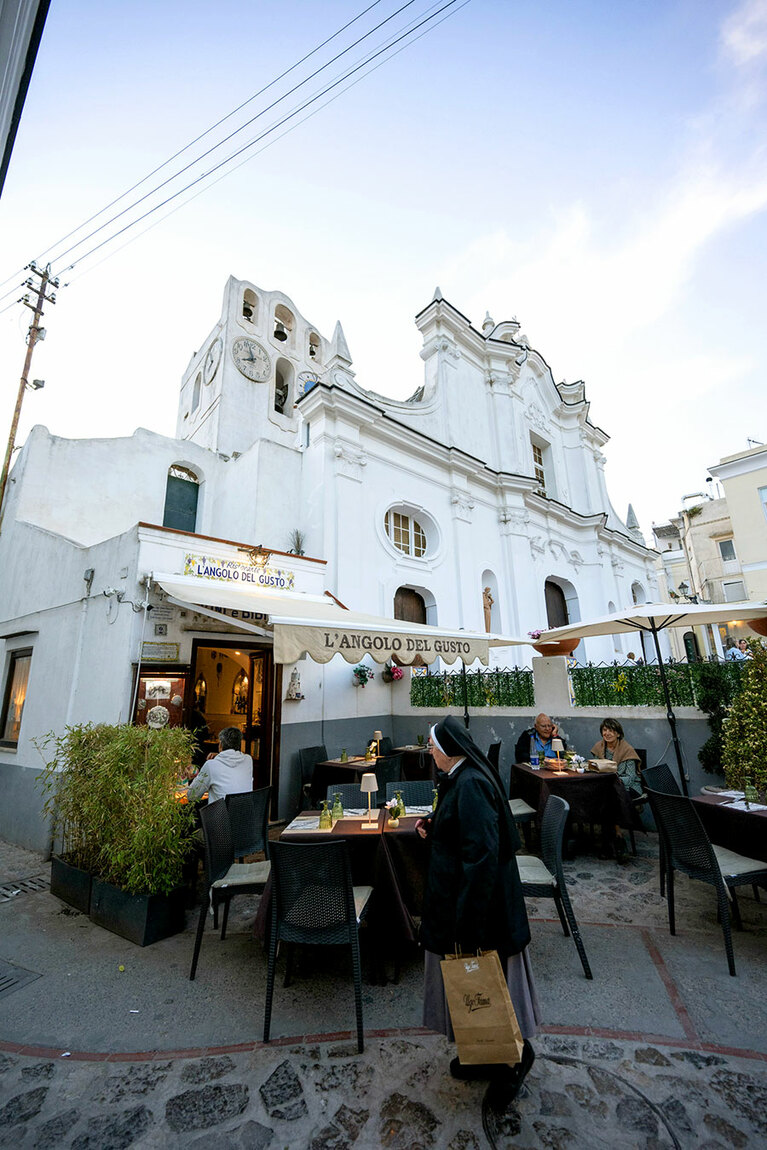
(558, 647)
(758, 625)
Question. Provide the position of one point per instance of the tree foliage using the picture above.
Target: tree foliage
(743, 752)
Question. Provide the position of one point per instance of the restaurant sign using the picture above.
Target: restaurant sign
(322, 643)
(240, 574)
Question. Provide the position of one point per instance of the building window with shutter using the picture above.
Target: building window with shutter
(181, 495)
(539, 469)
(405, 533)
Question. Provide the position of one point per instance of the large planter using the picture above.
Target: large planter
(140, 918)
(71, 884)
(558, 647)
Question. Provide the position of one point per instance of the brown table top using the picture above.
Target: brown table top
(550, 772)
(709, 800)
(353, 763)
(351, 828)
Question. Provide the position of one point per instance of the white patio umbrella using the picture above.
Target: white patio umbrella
(651, 618)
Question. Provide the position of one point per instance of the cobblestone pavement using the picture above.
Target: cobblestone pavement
(662, 1049)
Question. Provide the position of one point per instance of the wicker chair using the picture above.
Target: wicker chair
(388, 770)
(544, 877)
(660, 778)
(415, 792)
(687, 848)
(352, 797)
(224, 878)
(522, 813)
(314, 902)
(248, 817)
(308, 757)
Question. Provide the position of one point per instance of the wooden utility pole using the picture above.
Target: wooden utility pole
(35, 333)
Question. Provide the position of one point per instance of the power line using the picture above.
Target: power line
(248, 159)
(257, 139)
(58, 256)
(197, 139)
(260, 151)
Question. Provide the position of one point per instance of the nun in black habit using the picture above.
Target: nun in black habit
(473, 897)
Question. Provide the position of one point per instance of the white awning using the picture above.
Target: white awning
(315, 624)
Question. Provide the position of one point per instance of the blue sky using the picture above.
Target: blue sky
(597, 170)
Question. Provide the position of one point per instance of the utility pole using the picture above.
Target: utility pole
(35, 333)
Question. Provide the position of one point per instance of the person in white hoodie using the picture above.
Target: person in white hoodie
(229, 772)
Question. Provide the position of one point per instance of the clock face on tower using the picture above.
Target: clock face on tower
(251, 359)
(212, 360)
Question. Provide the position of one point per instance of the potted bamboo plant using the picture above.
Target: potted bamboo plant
(112, 790)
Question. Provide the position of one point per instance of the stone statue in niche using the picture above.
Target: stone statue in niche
(294, 686)
(487, 606)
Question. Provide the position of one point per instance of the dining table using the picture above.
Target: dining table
(730, 824)
(595, 797)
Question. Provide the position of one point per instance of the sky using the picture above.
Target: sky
(596, 170)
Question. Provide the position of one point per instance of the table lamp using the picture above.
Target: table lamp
(557, 747)
(369, 784)
(378, 735)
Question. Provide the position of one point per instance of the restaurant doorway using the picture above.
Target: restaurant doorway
(235, 684)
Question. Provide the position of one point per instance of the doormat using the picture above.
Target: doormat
(14, 977)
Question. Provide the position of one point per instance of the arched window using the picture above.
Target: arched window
(556, 605)
(405, 533)
(240, 693)
(249, 305)
(196, 391)
(283, 378)
(181, 493)
(314, 345)
(409, 605)
(638, 593)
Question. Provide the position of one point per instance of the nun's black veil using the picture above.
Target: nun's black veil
(455, 741)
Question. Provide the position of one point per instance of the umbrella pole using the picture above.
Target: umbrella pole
(465, 695)
(669, 710)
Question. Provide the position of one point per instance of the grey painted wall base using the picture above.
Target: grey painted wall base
(22, 821)
(488, 726)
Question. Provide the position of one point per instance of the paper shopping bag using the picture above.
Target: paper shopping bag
(483, 1018)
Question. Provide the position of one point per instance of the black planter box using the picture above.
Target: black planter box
(71, 884)
(140, 918)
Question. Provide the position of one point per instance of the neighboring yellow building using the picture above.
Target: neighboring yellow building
(715, 550)
(744, 480)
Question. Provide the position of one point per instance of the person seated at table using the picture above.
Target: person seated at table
(613, 746)
(538, 738)
(230, 772)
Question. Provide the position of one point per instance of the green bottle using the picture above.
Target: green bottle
(401, 812)
(326, 819)
(338, 809)
(750, 793)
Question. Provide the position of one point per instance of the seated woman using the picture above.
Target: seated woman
(613, 746)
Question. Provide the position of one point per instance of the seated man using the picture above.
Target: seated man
(230, 772)
(537, 738)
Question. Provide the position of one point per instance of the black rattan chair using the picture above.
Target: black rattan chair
(224, 878)
(314, 902)
(545, 878)
(415, 792)
(687, 848)
(308, 757)
(352, 798)
(248, 817)
(388, 770)
(522, 813)
(660, 778)
(385, 746)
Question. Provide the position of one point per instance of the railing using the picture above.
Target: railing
(509, 688)
(616, 685)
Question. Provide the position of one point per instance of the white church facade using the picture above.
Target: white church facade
(484, 492)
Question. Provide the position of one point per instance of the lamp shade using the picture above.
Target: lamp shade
(557, 746)
(368, 783)
(378, 735)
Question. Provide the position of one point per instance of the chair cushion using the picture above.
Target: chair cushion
(520, 809)
(733, 865)
(245, 874)
(361, 896)
(532, 870)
